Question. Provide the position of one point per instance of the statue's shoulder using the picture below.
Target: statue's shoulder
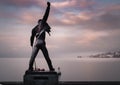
(35, 28)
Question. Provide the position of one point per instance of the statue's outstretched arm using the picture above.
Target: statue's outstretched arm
(45, 17)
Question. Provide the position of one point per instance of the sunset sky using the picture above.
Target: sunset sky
(79, 27)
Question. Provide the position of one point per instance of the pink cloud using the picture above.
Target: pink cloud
(105, 17)
(64, 4)
(89, 36)
(74, 3)
(27, 18)
(86, 18)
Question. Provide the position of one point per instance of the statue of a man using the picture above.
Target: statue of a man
(39, 32)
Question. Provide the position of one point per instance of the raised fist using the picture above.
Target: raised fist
(48, 3)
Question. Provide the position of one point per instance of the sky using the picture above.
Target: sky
(79, 27)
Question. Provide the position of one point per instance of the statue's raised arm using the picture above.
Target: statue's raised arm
(45, 17)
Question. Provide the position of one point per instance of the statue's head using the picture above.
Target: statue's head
(39, 21)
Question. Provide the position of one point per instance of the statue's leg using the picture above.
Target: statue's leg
(33, 56)
(46, 55)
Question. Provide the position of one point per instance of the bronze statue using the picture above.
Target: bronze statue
(39, 32)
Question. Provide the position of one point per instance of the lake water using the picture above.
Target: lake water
(73, 69)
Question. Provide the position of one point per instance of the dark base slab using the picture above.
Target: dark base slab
(41, 78)
(72, 83)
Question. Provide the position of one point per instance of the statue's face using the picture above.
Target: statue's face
(39, 23)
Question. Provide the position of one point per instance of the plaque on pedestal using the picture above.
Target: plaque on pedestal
(40, 78)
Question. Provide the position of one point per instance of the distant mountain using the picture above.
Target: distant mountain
(107, 55)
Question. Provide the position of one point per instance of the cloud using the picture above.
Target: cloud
(75, 19)
(64, 4)
(90, 36)
(29, 15)
(105, 18)
(22, 3)
(74, 3)
(11, 9)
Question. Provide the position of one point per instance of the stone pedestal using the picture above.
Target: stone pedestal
(40, 78)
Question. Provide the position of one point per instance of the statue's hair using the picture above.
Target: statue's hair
(39, 20)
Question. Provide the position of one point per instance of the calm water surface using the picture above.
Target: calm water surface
(73, 69)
